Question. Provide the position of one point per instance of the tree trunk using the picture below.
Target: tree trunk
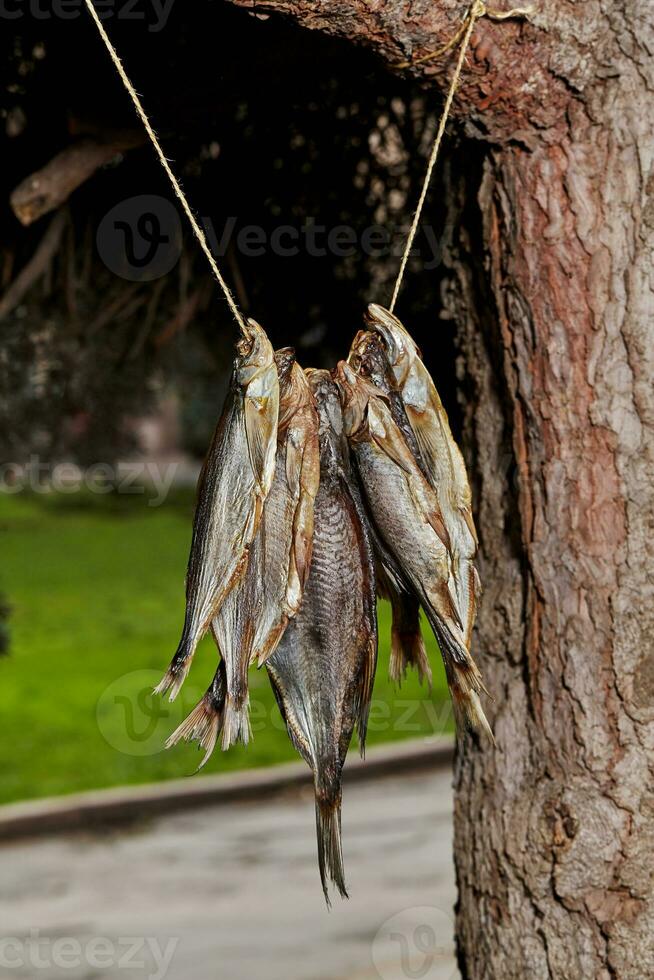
(550, 258)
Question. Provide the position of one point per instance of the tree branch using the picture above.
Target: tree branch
(508, 91)
(36, 266)
(52, 185)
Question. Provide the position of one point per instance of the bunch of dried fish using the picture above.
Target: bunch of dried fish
(320, 492)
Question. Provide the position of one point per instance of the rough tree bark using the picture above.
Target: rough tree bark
(553, 294)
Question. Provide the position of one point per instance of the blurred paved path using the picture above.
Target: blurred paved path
(233, 893)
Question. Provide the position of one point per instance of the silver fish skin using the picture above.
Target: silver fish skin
(233, 485)
(323, 670)
(369, 359)
(254, 615)
(405, 512)
(440, 457)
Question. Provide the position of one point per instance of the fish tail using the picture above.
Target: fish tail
(464, 687)
(408, 650)
(201, 725)
(330, 851)
(236, 722)
(179, 667)
(463, 679)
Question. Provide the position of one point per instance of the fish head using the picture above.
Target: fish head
(328, 403)
(284, 359)
(369, 359)
(401, 349)
(295, 393)
(354, 394)
(255, 355)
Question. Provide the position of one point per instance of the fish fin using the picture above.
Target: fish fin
(178, 670)
(471, 599)
(204, 722)
(259, 434)
(236, 723)
(441, 606)
(435, 518)
(264, 653)
(201, 725)
(469, 714)
(464, 681)
(408, 650)
(385, 434)
(309, 474)
(431, 428)
(365, 684)
(477, 586)
(456, 656)
(293, 464)
(466, 514)
(366, 679)
(330, 851)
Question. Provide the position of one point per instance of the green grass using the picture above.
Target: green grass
(96, 586)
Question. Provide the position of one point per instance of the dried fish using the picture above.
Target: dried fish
(233, 486)
(254, 615)
(323, 670)
(286, 531)
(407, 518)
(368, 357)
(439, 456)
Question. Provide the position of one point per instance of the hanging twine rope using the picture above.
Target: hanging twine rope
(477, 11)
(197, 230)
